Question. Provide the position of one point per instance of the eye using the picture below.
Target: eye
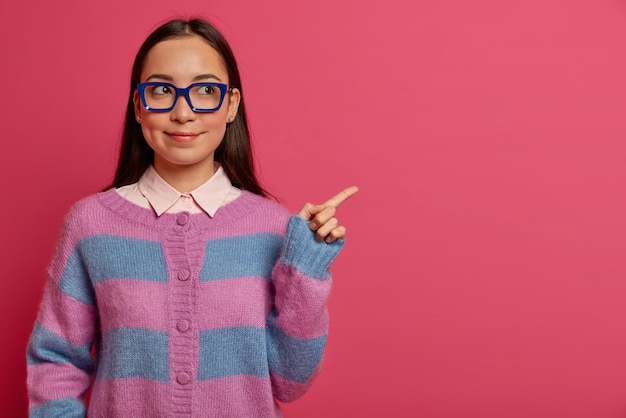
(161, 89)
(206, 90)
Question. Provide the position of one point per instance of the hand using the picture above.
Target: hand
(322, 217)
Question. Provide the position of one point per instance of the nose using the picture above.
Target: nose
(182, 110)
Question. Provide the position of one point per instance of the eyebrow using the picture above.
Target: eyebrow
(196, 78)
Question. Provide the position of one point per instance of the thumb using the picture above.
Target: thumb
(309, 211)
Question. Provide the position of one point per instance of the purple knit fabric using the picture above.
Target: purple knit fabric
(192, 316)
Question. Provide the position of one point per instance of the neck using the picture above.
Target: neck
(185, 178)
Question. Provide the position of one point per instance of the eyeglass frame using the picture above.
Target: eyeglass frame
(224, 88)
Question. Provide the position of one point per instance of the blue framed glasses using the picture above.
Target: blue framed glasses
(158, 96)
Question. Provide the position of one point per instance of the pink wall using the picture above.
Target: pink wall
(485, 270)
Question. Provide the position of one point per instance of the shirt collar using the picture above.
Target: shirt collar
(209, 196)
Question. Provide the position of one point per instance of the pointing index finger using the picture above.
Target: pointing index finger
(341, 197)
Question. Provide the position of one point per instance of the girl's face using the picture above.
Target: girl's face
(182, 138)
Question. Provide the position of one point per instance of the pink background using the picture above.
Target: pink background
(484, 274)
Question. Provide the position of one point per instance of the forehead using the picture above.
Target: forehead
(183, 59)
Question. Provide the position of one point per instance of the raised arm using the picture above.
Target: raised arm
(298, 326)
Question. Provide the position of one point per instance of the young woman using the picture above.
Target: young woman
(181, 290)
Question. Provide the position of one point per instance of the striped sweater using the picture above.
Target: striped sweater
(191, 316)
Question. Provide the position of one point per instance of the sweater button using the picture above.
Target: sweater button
(182, 378)
(182, 325)
(182, 219)
(183, 275)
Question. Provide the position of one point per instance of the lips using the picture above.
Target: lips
(182, 136)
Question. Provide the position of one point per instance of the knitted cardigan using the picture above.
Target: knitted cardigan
(191, 316)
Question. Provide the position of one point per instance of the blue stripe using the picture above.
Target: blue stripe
(243, 256)
(75, 280)
(305, 254)
(293, 358)
(62, 407)
(134, 352)
(112, 257)
(232, 351)
(45, 346)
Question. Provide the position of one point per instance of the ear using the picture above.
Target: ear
(233, 104)
(137, 103)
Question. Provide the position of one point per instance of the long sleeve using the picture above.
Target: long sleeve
(298, 326)
(59, 360)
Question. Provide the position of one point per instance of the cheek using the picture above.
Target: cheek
(150, 128)
(153, 121)
(213, 122)
(146, 133)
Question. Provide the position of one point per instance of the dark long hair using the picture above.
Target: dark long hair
(234, 153)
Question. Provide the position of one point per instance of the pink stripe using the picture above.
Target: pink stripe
(52, 381)
(65, 316)
(288, 391)
(234, 302)
(89, 217)
(236, 396)
(130, 398)
(301, 303)
(111, 225)
(132, 303)
(257, 215)
(259, 222)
